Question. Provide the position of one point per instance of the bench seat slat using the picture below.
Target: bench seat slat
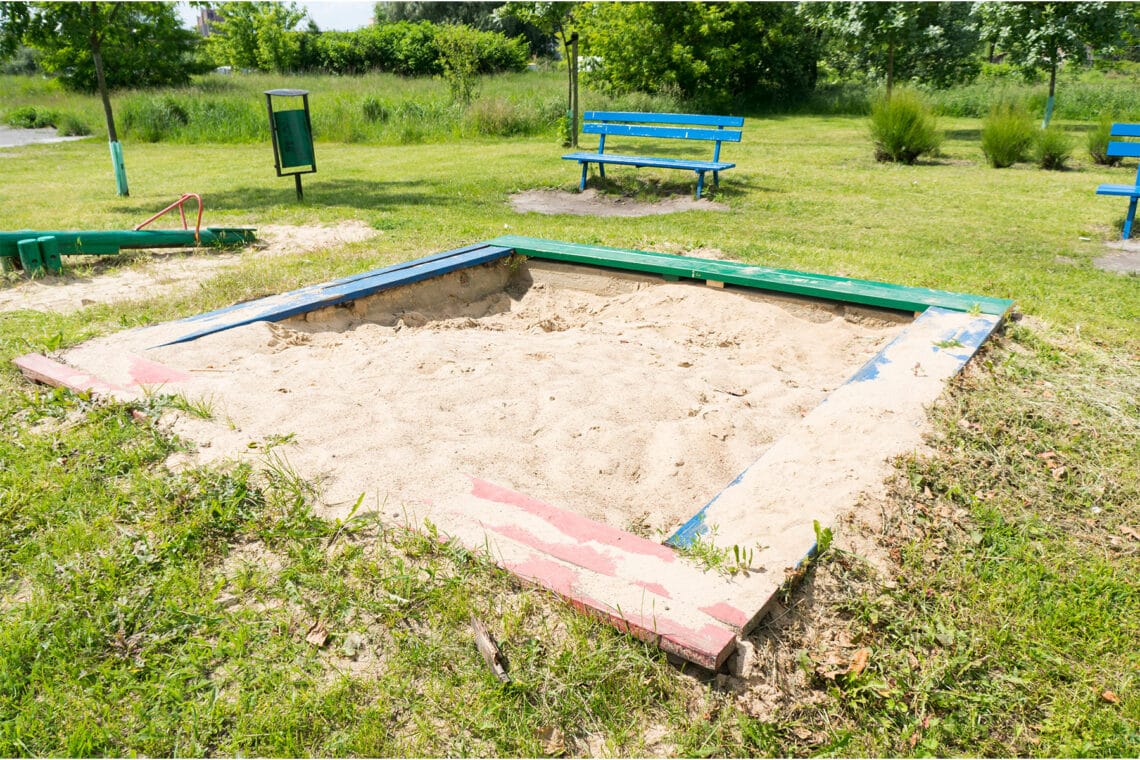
(1125, 190)
(680, 133)
(665, 118)
(661, 163)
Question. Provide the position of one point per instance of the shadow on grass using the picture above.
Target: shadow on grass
(361, 194)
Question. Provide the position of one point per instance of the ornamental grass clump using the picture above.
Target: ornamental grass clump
(903, 127)
(1098, 141)
(1053, 148)
(1007, 135)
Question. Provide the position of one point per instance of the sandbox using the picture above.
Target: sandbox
(574, 411)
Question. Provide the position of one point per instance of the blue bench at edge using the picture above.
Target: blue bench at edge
(682, 126)
(1124, 150)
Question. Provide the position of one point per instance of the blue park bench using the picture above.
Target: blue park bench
(681, 126)
(1124, 150)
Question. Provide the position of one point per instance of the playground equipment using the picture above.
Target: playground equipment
(36, 251)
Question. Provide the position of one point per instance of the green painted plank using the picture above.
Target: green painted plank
(101, 242)
(866, 292)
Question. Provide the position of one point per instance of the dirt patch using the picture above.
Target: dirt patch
(1124, 259)
(592, 203)
(162, 271)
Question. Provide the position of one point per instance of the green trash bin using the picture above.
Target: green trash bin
(294, 143)
(292, 131)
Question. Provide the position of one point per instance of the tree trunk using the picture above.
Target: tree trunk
(96, 41)
(1052, 90)
(890, 67)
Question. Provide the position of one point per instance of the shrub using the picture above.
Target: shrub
(32, 117)
(1007, 134)
(1098, 143)
(72, 126)
(903, 127)
(1053, 148)
(498, 117)
(374, 109)
(151, 119)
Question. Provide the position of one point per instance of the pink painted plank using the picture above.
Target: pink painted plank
(41, 369)
(146, 372)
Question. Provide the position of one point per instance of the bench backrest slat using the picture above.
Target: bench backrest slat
(1125, 130)
(1124, 149)
(697, 120)
(683, 133)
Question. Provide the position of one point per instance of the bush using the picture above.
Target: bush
(903, 127)
(374, 109)
(151, 119)
(1098, 141)
(32, 117)
(1007, 134)
(72, 126)
(499, 117)
(1053, 148)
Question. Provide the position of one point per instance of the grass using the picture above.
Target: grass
(147, 611)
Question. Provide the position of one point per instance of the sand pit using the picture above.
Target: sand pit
(626, 399)
(564, 416)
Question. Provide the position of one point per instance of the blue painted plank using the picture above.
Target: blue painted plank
(677, 133)
(1125, 130)
(343, 280)
(285, 305)
(1124, 149)
(661, 163)
(1124, 190)
(706, 120)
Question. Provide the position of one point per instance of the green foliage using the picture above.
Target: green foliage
(153, 118)
(903, 127)
(1052, 148)
(1007, 134)
(24, 60)
(459, 60)
(931, 43)
(713, 54)
(374, 109)
(31, 117)
(410, 49)
(142, 44)
(1098, 139)
(256, 35)
(72, 126)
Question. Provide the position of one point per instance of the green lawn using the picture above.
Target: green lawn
(134, 621)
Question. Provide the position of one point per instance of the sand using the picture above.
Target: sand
(624, 398)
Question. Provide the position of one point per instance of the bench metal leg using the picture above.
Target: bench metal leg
(716, 179)
(585, 168)
(700, 184)
(602, 170)
(1128, 219)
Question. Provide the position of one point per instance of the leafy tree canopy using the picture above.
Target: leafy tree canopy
(142, 43)
(933, 43)
(712, 53)
(256, 35)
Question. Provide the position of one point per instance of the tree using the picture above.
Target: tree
(929, 42)
(136, 44)
(143, 42)
(256, 35)
(712, 53)
(1043, 35)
